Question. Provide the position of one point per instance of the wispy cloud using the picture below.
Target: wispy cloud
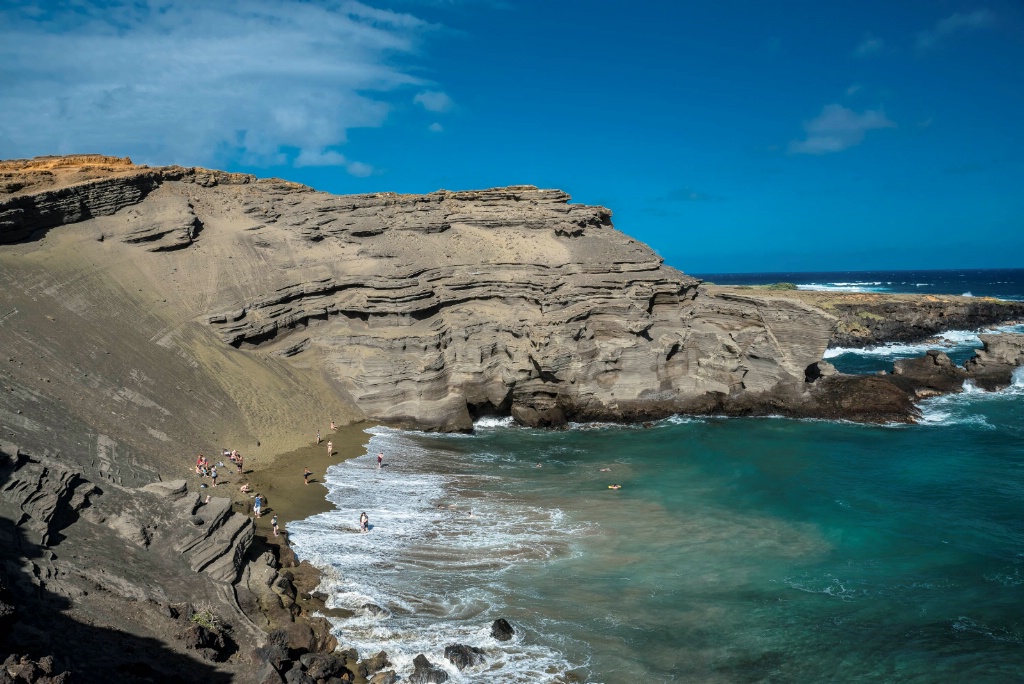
(868, 47)
(838, 128)
(435, 128)
(853, 90)
(433, 101)
(194, 82)
(954, 23)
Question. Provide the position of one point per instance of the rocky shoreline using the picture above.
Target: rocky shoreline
(149, 313)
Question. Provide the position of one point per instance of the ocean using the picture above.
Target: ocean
(736, 550)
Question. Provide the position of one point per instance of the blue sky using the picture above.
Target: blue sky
(730, 136)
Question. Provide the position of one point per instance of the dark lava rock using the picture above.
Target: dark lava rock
(502, 630)
(374, 664)
(274, 654)
(993, 365)
(268, 674)
(297, 676)
(462, 656)
(323, 666)
(208, 643)
(426, 672)
(933, 373)
(197, 521)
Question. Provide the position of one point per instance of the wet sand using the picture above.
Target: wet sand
(280, 481)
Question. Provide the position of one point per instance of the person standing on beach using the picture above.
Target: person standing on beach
(305, 475)
(333, 426)
(273, 522)
(380, 460)
(317, 436)
(257, 505)
(238, 463)
(330, 448)
(213, 475)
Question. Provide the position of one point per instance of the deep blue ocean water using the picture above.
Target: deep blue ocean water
(736, 550)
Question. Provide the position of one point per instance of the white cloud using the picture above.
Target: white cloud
(838, 128)
(320, 158)
(435, 128)
(359, 169)
(867, 47)
(954, 23)
(195, 82)
(433, 101)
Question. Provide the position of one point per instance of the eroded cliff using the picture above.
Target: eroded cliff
(427, 310)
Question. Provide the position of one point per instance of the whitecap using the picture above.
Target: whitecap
(491, 422)
(435, 557)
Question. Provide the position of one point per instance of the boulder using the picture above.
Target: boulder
(933, 373)
(502, 630)
(323, 666)
(374, 664)
(993, 366)
(386, 677)
(425, 672)
(462, 656)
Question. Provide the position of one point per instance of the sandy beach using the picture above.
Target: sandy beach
(280, 482)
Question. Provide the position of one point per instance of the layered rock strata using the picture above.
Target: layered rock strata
(431, 310)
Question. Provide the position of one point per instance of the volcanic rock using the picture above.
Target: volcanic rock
(933, 373)
(993, 366)
(425, 672)
(502, 630)
(462, 656)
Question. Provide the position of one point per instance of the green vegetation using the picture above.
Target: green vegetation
(206, 618)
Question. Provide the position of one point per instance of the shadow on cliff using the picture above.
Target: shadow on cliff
(40, 625)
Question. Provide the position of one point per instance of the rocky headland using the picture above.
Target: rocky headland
(150, 314)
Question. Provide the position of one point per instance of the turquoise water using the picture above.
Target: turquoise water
(736, 550)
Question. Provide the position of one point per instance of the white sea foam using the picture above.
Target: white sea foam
(948, 341)
(492, 422)
(434, 559)
(962, 408)
(874, 286)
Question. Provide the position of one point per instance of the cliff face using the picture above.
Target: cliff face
(432, 309)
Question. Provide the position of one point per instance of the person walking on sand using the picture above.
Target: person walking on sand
(305, 475)
(330, 448)
(238, 463)
(364, 522)
(257, 505)
(213, 475)
(318, 437)
(273, 523)
(380, 460)
(333, 426)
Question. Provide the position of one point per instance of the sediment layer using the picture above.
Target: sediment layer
(149, 314)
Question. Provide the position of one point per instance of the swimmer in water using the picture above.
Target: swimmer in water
(615, 486)
(605, 470)
(538, 466)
